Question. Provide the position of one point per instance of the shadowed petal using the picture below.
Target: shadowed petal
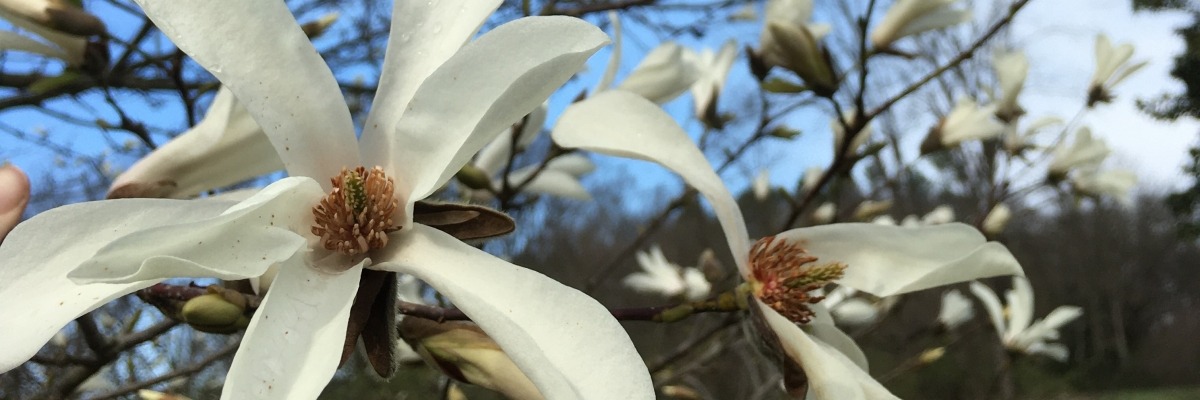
(240, 243)
(488, 85)
(294, 341)
(624, 124)
(37, 299)
(831, 374)
(423, 35)
(991, 303)
(565, 342)
(226, 147)
(268, 62)
(889, 260)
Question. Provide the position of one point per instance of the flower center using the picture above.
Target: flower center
(357, 215)
(784, 274)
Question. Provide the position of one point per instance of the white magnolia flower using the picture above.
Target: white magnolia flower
(967, 121)
(824, 214)
(1017, 141)
(14, 196)
(713, 69)
(1112, 67)
(1016, 331)
(942, 214)
(62, 27)
(848, 309)
(664, 74)
(664, 278)
(224, 148)
(1084, 152)
(997, 219)
(885, 220)
(879, 260)
(762, 185)
(910, 17)
(1011, 69)
(868, 209)
(955, 310)
(789, 40)
(1114, 183)
(431, 113)
(560, 176)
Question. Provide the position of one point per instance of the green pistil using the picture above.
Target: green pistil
(355, 191)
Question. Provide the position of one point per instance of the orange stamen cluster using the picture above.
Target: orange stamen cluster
(784, 274)
(357, 215)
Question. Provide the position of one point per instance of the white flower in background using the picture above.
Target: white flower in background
(224, 148)
(868, 209)
(1014, 326)
(848, 309)
(910, 17)
(824, 213)
(967, 121)
(559, 177)
(1113, 183)
(713, 70)
(997, 219)
(955, 310)
(762, 185)
(839, 134)
(1017, 141)
(1112, 67)
(746, 13)
(1011, 69)
(664, 278)
(431, 113)
(812, 175)
(14, 196)
(789, 40)
(1085, 152)
(663, 75)
(879, 260)
(885, 220)
(62, 26)
(942, 214)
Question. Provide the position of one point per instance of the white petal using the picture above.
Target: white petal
(991, 303)
(663, 75)
(491, 83)
(37, 299)
(955, 310)
(14, 41)
(226, 147)
(240, 243)
(574, 164)
(887, 260)
(424, 35)
(831, 374)
(567, 343)
(1020, 305)
(294, 342)
(71, 47)
(614, 60)
(624, 124)
(268, 62)
(855, 312)
(551, 182)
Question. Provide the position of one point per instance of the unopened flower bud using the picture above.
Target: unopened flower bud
(313, 29)
(932, 355)
(867, 210)
(219, 311)
(473, 177)
(464, 352)
(146, 394)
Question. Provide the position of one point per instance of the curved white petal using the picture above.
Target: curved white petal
(294, 341)
(226, 147)
(489, 84)
(70, 46)
(424, 35)
(240, 243)
(268, 62)
(567, 343)
(888, 260)
(574, 164)
(831, 374)
(823, 328)
(991, 303)
(663, 75)
(37, 299)
(624, 124)
(1020, 306)
(614, 60)
(551, 182)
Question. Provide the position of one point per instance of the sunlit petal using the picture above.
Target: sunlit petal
(37, 299)
(567, 343)
(268, 62)
(294, 341)
(491, 83)
(624, 124)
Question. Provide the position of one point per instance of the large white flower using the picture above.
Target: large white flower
(1115, 183)
(1085, 152)
(1112, 67)
(967, 121)
(63, 26)
(435, 107)
(713, 70)
(880, 260)
(1014, 327)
